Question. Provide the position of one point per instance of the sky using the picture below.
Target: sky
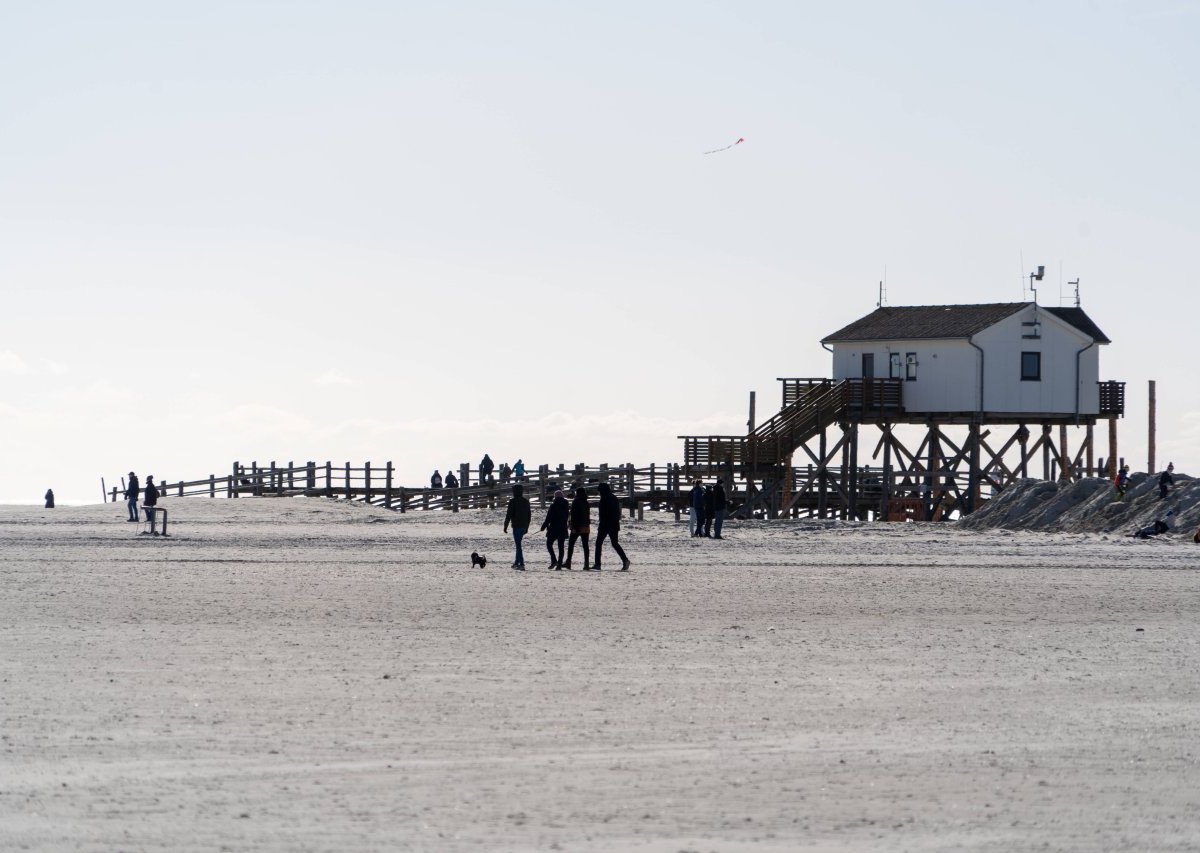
(418, 232)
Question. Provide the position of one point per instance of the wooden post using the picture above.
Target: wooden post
(973, 475)
(367, 481)
(932, 465)
(1064, 459)
(276, 481)
(1090, 439)
(464, 475)
(231, 491)
(212, 486)
(349, 494)
(1046, 473)
(387, 495)
(1023, 441)
(822, 477)
(653, 491)
(845, 474)
(1112, 448)
(629, 479)
(291, 472)
(852, 485)
(1150, 448)
(403, 500)
(328, 478)
(750, 423)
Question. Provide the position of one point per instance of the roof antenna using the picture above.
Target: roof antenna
(1076, 283)
(1036, 276)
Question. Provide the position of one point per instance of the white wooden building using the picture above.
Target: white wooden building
(1013, 360)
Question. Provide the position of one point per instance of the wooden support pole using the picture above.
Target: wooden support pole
(852, 484)
(823, 477)
(1090, 439)
(750, 422)
(885, 479)
(1065, 473)
(367, 481)
(1045, 442)
(1112, 448)
(973, 475)
(387, 494)
(1150, 438)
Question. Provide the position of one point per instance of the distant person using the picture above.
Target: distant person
(451, 480)
(519, 470)
(1166, 480)
(518, 514)
(1122, 481)
(610, 526)
(1160, 525)
(485, 468)
(49, 498)
(710, 509)
(720, 504)
(435, 482)
(581, 526)
(505, 473)
(557, 521)
(696, 509)
(132, 492)
(149, 498)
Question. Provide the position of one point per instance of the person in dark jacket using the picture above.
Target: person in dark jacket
(1122, 481)
(556, 523)
(150, 497)
(1166, 480)
(451, 480)
(132, 492)
(696, 509)
(581, 526)
(710, 508)
(485, 468)
(519, 514)
(505, 473)
(610, 526)
(720, 503)
(435, 482)
(49, 498)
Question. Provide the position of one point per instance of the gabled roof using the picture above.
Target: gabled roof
(949, 321)
(1081, 321)
(925, 321)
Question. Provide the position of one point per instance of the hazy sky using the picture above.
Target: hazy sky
(421, 231)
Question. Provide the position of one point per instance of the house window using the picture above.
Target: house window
(868, 365)
(894, 366)
(1031, 366)
(910, 366)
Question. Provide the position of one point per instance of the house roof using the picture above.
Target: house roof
(1081, 321)
(949, 321)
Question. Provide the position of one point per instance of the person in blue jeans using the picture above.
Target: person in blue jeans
(519, 515)
(132, 493)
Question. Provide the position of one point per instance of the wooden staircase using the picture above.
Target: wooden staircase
(810, 406)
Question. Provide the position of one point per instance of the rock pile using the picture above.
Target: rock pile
(1090, 506)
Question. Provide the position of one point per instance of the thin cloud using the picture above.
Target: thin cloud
(333, 376)
(12, 363)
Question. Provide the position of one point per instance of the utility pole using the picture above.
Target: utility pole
(1150, 439)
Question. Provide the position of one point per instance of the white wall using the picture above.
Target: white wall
(948, 370)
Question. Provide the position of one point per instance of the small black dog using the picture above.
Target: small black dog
(478, 560)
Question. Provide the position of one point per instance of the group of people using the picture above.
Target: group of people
(567, 523)
(486, 467)
(1166, 481)
(706, 510)
(149, 496)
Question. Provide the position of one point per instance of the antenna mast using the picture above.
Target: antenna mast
(1076, 283)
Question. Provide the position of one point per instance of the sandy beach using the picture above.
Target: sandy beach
(300, 674)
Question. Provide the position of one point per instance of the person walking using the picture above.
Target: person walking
(581, 526)
(435, 482)
(557, 520)
(149, 498)
(485, 468)
(518, 514)
(720, 503)
(1166, 480)
(710, 506)
(696, 509)
(610, 526)
(505, 473)
(519, 470)
(132, 492)
(49, 498)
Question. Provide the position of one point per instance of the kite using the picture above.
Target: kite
(727, 147)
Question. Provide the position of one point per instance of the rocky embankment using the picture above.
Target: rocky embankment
(1090, 506)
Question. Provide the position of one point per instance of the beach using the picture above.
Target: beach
(305, 674)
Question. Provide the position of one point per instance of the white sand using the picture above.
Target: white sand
(798, 686)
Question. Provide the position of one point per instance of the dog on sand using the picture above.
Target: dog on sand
(478, 560)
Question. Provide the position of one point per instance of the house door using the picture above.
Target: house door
(868, 361)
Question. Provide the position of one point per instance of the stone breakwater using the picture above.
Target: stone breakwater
(1090, 506)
